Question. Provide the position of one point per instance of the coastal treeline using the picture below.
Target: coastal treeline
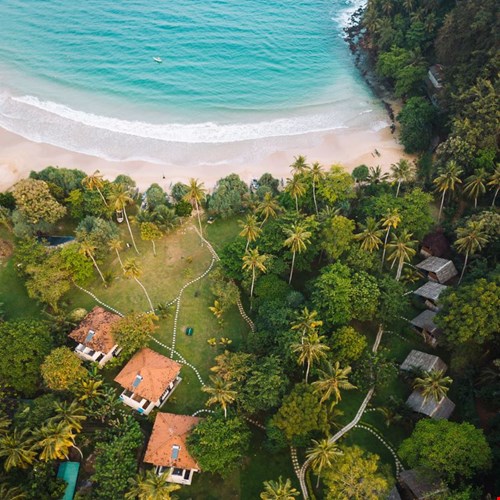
(441, 58)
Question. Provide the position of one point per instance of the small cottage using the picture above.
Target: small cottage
(435, 244)
(148, 380)
(438, 410)
(167, 448)
(421, 361)
(425, 326)
(95, 338)
(430, 292)
(438, 269)
(421, 484)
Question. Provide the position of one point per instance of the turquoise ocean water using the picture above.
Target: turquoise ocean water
(81, 74)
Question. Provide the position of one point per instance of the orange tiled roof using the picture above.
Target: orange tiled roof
(157, 372)
(170, 430)
(100, 321)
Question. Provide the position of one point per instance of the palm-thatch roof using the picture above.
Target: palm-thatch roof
(422, 484)
(418, 360)
(438, 269)
(425, 321)
(438, 410)
(436, 244)
(431, 290)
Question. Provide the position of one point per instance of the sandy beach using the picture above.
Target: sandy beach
(249, 159)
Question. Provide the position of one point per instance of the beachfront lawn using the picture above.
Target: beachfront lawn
(13, 294)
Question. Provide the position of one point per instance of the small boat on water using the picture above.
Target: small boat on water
(157, 59)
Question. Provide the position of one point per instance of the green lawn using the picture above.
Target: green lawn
(13, 294)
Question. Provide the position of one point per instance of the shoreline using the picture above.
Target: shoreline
(249, 159)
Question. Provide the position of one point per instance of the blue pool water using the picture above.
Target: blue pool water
(82, 75)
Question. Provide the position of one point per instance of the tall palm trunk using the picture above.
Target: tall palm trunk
(199, 220)
(146, 293)
(314, 198)
(463, 268)
(494, 198)
(400, 269)
(475, 202)
(119, 257)
(246, 246)
(251, 288)
(225, 411)
(102, 196)
(307, 371)
(291, 270)
(130, 229)
(297, 203)
(397, 190)
(154, 247)
(319, 474)
(441, 207)
(385, 245)
(97, 267)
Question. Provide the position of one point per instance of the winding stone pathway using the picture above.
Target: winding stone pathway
(372, 430)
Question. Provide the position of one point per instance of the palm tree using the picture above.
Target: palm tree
(16, 447)
(88, 249)
(5, 218)
(370, 235)
(317, 174)
(322, 454)
(132, 270)
(402, 171)
(12, 492)
(55, 440)
(475, 185)
(390, 221)
(310, 350)
(296, 188)
(221, 393)
(116, 245)
(120, 198)
(299, 166)
(268, 207)
(306, 322)
(195, 195)
(494, 182)
(331, 381)
(297, 241)
(447, 180)
(471, 239)
(376, 176)
(150, 486)
(95, 181)
(250, 229)
(90, 389)
(401, 250)
(72, 414)
(433, 384)
(279, 490)
(253, 261)
(150, 232)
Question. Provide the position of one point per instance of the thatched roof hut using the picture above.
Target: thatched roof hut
(420, 484)
(438, 410)
(435, 244)
(418, 360)
(424, 324)
(437, 269)
(431, 291)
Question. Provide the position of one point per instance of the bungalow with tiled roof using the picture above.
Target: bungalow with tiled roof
(167, 449)
(95, 338)
(148, 380)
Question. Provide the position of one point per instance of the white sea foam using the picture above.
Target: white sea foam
(343, 16)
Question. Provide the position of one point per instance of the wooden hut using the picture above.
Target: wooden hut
(430, 292)
(435, 244)
(438, 269)
(419, 484)
(425, 326)
(418, 360)
(438, 410)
